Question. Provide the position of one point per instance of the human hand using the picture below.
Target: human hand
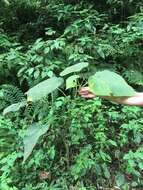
(85, 93)
(136, 100)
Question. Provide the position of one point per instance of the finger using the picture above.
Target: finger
(85, 92)
(88, 96)
(84, 89)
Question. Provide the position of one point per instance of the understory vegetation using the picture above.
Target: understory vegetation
(50, 137)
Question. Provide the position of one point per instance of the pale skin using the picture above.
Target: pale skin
(136, 100)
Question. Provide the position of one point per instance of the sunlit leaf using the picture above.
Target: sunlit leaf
(6, 2)
(71, 81)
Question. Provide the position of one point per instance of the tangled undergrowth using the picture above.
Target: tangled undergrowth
(62, 141)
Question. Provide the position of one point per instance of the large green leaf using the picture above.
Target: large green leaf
(32, 135)
(74, 68)
(44, 88)
(107, 83)
(14, 107)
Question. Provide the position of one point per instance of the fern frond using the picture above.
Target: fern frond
(12, 94)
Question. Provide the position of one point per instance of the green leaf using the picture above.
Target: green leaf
(42, 89)
(100, 52)
(141, 165)
(31, 138)
(71, 81)
(14, 107)
(112, 142)
(120, 179)
(36, 74)
(107, 83)
(30, 71)
(106, 171)
(74, 68)
(50, 31)
(6, 2)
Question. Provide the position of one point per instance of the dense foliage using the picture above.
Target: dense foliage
(52, 139)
